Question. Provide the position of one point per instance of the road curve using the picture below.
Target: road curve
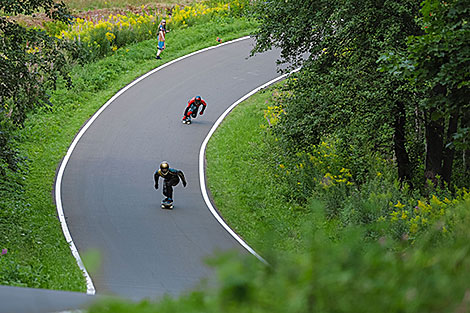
(107, 185)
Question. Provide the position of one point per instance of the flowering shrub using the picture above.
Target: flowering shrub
(272, 114)
(414, 217)
(98, 38)
(105, 36)
(380, 203)
(190, 15)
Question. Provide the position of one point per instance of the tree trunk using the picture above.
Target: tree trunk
(399, 141)
(449, 152)
(434, 147)
(434, 138)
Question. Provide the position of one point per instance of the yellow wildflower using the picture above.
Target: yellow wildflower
(436, 201)
(399, 205)
(424, 207)
(110, 36)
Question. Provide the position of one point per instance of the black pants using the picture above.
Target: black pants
(168, 186)
(192, 111)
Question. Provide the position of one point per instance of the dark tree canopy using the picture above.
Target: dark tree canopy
(53, 9)
(340, 91)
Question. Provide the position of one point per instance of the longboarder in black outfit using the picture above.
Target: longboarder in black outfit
(171, 177)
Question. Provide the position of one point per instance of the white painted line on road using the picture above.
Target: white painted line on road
(58, 191)
(202, 174)
(90, 288)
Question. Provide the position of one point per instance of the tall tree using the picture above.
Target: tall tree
(441, 67)
(339, 90)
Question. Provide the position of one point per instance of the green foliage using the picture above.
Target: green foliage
(327, 276)
(441, 58)
(53, 9)
(30, 62)
(338, 92)
(377, 202)
(435, 63)
(54, 28)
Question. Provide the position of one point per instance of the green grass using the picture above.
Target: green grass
(38, 255)
(241, 174)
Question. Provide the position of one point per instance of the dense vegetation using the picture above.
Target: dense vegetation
(413, 111)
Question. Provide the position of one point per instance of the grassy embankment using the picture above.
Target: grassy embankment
(38, 255)
(242, 182)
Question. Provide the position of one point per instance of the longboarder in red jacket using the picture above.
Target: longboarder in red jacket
(192, 109)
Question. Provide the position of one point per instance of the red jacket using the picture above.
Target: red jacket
(193, 102)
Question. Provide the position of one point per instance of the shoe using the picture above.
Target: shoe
(158, 57)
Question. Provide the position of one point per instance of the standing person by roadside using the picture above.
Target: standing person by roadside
(161, 38)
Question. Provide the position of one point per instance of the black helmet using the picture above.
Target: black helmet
(197, 98)
(164, 167)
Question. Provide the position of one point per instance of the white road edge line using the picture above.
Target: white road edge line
(58, 191)
(202, 177)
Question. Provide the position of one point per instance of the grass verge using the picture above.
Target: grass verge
(38, 255)
(237, 153)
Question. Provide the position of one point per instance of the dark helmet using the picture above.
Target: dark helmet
(197, 99)
(164, 167)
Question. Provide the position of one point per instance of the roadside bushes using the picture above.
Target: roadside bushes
(351, 196)
(335, 276)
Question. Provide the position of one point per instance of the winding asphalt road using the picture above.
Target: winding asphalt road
(107, 187)
(108, 195)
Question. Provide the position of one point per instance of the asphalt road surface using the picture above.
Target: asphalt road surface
(108, 193)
